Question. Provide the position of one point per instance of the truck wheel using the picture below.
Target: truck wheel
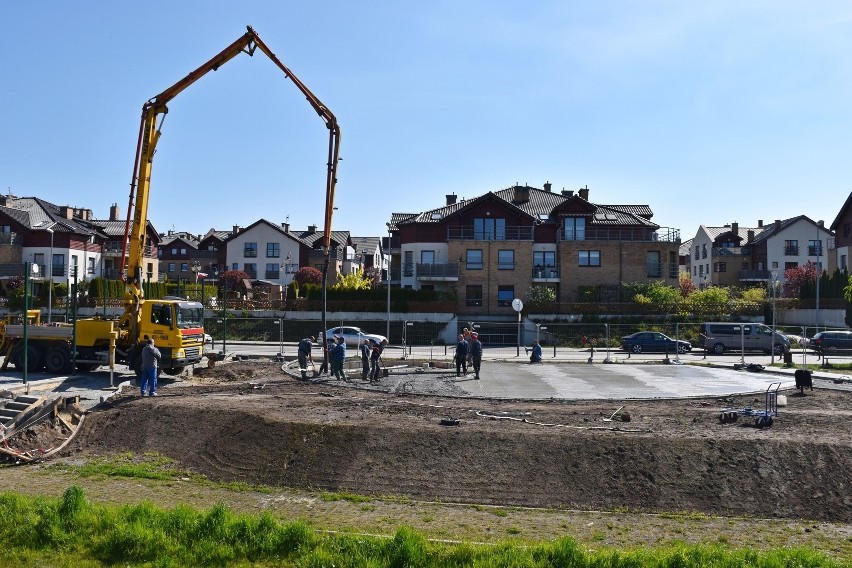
(57, 359)
(719, 348)
(173, 371)
(34, 357)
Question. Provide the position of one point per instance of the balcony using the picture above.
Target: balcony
(438, 272)
(545, 274)
(754, 275)
(814, 251)
(514, 233)
(272, 274)
(731, 251)
(663, 235)
(791, 251)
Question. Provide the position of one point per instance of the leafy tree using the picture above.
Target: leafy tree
(713, 300)
(541, 294)
(234, 281)
(847, 292)
(753, 295)
(686, 285)
(354, 281)
(795, 278)
(308, 275)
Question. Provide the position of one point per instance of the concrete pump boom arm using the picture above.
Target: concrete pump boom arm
(149, 134)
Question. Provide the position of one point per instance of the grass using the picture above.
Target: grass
(71, 531)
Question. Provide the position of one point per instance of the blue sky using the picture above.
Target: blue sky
(708, 112)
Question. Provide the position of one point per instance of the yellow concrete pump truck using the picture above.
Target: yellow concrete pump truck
(175, 323)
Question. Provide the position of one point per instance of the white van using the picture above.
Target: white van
(734, 336)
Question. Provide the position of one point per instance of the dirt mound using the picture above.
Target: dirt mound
(250, 422)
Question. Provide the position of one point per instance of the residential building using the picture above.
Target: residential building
(114, 232)
(265, 252)
(367, 256)
(493, 248)
(842, 240)
(734, 255)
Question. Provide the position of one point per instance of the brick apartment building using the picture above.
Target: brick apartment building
(495, 247)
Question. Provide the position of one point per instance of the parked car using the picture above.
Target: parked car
(720, 337)
(208, 338)
(653, 342)
(354, 336)
(831, 342)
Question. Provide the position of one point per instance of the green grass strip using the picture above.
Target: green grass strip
(71, 531)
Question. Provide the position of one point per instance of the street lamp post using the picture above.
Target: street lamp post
(773, 283)
(50, 280)
(388, 278)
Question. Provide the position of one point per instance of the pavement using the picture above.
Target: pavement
(504, 375)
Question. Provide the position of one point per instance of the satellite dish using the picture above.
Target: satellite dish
(517, 305)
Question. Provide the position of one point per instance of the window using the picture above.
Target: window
(272, 270)
(250, 250)
(473, 295)
(814, 248)
(544, 258)
(183, 251)
(489, 229)
(172, 267)
(474, 260)
(791, 248)
(184, 267)
(235, 266)
(159, 253)
(654, 265)
(774, 265)
(575, 229)
(408, 264)
(38, 260)
(843, 262)
(427, 257)
(174, 251)
(789, 265)
(704, 251)
(273, 250)
(91, 268)
(696, 252)
(589, 258)
(505, 295)
(250, 268)
(505, 260)
(212, 247)
(701, 270)
(720, 267)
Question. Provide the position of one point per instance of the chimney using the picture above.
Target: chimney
(750, 236)
(777, 224)
(236, 229)
(312, 229)
(821, 223)
(735, 228)
(584, 193)
(567, 193)
(286, 227)
(547, 186)
(760, 223)
(522, 194)
(451, 199)
(113, 212)
(66, 212)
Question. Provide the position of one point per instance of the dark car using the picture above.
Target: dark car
(831, 342)
(653, 342)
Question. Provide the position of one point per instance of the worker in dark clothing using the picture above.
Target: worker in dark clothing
(366, 349)
(461, 356)
(536, 352)
(375, 358)
(475, 348)
(304, 355)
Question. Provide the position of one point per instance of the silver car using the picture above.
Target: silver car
(354, 336)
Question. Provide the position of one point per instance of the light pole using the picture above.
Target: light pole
(286, 266)
(196, 268)
(388, 277)
(50, 280)
(773, 282)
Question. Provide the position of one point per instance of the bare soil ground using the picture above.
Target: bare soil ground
(251, 422)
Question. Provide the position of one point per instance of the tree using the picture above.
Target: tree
(355, 281)
(686, 285)
(795, 278)
(308, 275)
(234, 281)
(539, 294)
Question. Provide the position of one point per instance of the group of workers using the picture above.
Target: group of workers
(371, 357)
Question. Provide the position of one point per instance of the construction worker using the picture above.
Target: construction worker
(375, 358)
(366, 349)
(475, 353)
(337, 356)
(461, 356)
(150, 362)
(536, 352)
(304, 354)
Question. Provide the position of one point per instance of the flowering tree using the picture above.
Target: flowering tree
(308, 275)
(799, 276)
(234, 281)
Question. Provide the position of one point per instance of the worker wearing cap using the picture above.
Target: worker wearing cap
(304, 354)
(150, 361)
(475, 353)
(461, 356)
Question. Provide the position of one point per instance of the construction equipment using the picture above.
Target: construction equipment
(762, 418)
(175, 324)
